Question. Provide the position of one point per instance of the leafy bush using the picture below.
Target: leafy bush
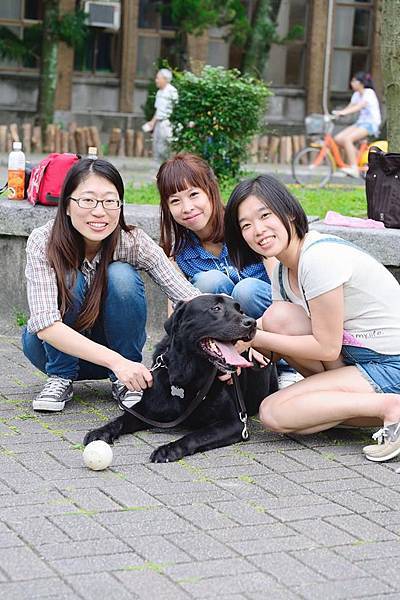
(217, 114)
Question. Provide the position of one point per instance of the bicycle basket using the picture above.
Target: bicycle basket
(317, 124)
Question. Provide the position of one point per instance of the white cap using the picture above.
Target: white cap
(17, 145)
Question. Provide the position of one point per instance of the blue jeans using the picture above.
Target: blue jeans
(121, 326)
(381, 370)
(253, 295)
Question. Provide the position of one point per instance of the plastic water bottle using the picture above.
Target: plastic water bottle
(92, 152)
(16, 172)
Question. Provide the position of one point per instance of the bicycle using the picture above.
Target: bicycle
(315, 164)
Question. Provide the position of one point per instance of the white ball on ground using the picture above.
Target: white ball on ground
(97, 455)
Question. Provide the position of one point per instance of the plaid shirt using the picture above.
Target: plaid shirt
(135, 248)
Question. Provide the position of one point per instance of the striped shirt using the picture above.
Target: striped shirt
(134, 247)
(193, 259)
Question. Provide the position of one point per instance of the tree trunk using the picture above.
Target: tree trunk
(48, 66)
(391, 70)
(260, 37)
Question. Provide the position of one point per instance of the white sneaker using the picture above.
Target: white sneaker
(127, 397)
(56, 392)
(287, 378)
(388, 445)
(351, 171)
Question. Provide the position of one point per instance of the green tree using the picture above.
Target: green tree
(194, 17)
(390, 48)
(40, 44)
(217, 114)
(260, 36)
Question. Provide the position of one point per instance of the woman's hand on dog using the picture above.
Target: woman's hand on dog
(254, 355)
(133, 375)
(227, 377)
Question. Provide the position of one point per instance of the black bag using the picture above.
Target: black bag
(383, 187)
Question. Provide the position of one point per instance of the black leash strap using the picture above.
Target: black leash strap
(197, 400)
(241, 407)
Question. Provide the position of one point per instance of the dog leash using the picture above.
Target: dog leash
(240, 405)
(197, 400)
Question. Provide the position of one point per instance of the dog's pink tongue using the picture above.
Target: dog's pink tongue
(231, 355)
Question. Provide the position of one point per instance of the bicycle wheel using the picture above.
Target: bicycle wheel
(309, 168)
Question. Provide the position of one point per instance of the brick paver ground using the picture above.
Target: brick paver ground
(278, 517)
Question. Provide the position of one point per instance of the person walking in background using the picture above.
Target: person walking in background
(160, 124)
(86, 298)
(364, 101)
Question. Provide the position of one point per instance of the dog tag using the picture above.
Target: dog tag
(177, 391)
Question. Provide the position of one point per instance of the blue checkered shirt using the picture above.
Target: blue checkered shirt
(193, 258)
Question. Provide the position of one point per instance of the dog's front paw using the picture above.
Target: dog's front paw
(168, 453)
(103, 433)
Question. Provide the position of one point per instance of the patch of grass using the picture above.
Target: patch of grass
(21, 318)
(81, 513)
(246, 479)
(342, 199)
(196, 471)
(148, 566)
(26, 416)
(350, 201)
(78, 447)
(329, 455)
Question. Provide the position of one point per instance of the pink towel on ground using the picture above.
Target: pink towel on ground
(334, 218)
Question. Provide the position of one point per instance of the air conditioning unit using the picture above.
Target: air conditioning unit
(103, 14)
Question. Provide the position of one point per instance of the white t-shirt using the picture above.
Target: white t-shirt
(371, 293)
(165, 100)
(371, 113)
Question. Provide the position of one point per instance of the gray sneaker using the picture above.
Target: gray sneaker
(128, 398)
(56, 392)
(388, 445)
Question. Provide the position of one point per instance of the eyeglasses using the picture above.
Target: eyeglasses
(90, 203)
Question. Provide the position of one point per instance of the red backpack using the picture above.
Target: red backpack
(47, 178)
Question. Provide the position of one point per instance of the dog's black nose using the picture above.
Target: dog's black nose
(248, 322)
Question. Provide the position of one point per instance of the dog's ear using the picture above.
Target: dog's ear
(170, 323)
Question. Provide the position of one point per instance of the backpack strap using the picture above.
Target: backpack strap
(281, 286)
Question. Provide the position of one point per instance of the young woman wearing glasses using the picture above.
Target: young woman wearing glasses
(86, 297)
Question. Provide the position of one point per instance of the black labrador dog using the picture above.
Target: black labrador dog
(199, 343)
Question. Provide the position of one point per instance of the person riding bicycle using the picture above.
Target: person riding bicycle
(365, 101)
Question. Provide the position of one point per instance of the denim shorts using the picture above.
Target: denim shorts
(371, 128)
(381, 370)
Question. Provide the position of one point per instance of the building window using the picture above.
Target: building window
(100, 52)
(218, 48)
(286, 60)
(352, 42)
(19, 16)
(156, 35)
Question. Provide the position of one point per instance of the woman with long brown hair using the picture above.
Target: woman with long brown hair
(86, 297)
(192, 234)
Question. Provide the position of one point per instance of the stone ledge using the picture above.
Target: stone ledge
(383, 244)
(20, 218)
